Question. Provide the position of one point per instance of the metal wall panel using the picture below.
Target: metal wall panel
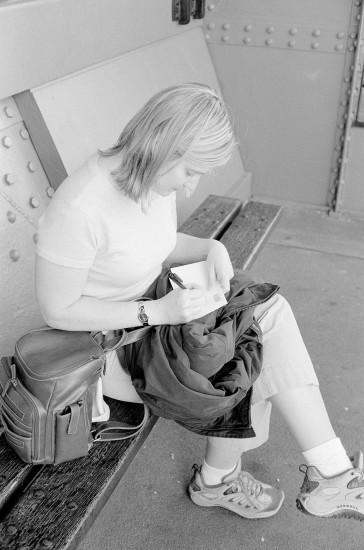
(44, 40)
(87, 110)
(353, 194)
(285, 69)
(24, 194)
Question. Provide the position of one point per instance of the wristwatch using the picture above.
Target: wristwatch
(142, 316)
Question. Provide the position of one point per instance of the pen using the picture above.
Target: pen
(174, 277)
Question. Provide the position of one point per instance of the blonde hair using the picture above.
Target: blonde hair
(184, 122)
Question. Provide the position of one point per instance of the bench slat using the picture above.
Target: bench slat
(249, 231)
(210, 219)
(64, 500)
(13, 473)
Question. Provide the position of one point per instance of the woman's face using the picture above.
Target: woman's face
(181, 177)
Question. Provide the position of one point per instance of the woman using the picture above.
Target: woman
(103, 240)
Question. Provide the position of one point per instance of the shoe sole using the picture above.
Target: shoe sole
(347, 514)
(261, 515)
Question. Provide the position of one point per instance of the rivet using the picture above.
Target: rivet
(291, 43)
(207, 36)
(34, 202)
(11, 216)
(341, 126)
(247, 40)
(24, 133)
(211, 26)
(315, 45)
(31, 167)
(46, 543)
(343, 102)
(7, 141)
(338, 148)
(35, 238)
(316, 32)
(351, 49)
(72, 505)
(353, 35)
(247, 28)
(211, 7)
(269, 42)
(225, 38)
(9, 179)
(270, 29)
(358, 16)
(340, 34)
(293, 31)
(38, 493)
(226, 26)
(357, 3)
(347, 79)
(3, 478)
(9, 112)
(352, 67)
(50, 192)
(338, 47)
(14, 255)
(11, 530)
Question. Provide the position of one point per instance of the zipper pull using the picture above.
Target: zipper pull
(11, 381)
(13, 375)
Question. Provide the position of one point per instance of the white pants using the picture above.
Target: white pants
(286, 364)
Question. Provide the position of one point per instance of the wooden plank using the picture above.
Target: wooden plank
(210, 219)
(14, 474)
(64, 500)
(249, 231)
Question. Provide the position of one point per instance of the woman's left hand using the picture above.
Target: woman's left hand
(219, 265)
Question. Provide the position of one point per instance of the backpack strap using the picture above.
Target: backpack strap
(115, 339)
(114, 431)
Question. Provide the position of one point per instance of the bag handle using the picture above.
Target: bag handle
(115, 431)
(114, 340)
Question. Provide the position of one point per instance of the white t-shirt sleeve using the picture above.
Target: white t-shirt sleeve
(66, 236)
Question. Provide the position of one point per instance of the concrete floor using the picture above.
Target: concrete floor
(318, 262)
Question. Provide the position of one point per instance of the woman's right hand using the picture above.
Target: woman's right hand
(177, 307)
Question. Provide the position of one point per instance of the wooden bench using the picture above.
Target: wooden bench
(54, 506)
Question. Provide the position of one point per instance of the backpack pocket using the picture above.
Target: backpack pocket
(23, 417)
(72, 432)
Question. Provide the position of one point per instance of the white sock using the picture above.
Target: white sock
(330, 458)
(213, 476)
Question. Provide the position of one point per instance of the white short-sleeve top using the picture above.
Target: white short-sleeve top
(91, 224)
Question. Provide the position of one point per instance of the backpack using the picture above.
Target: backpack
(47, 390)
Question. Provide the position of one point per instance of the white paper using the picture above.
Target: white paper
(197, 273)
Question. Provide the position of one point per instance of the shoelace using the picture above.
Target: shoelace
(249, 486)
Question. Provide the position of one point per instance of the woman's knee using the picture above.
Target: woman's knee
(277, 306)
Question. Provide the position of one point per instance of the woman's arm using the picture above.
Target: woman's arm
(190, 249)
(59, 292)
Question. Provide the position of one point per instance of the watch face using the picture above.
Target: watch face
(143, 317)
